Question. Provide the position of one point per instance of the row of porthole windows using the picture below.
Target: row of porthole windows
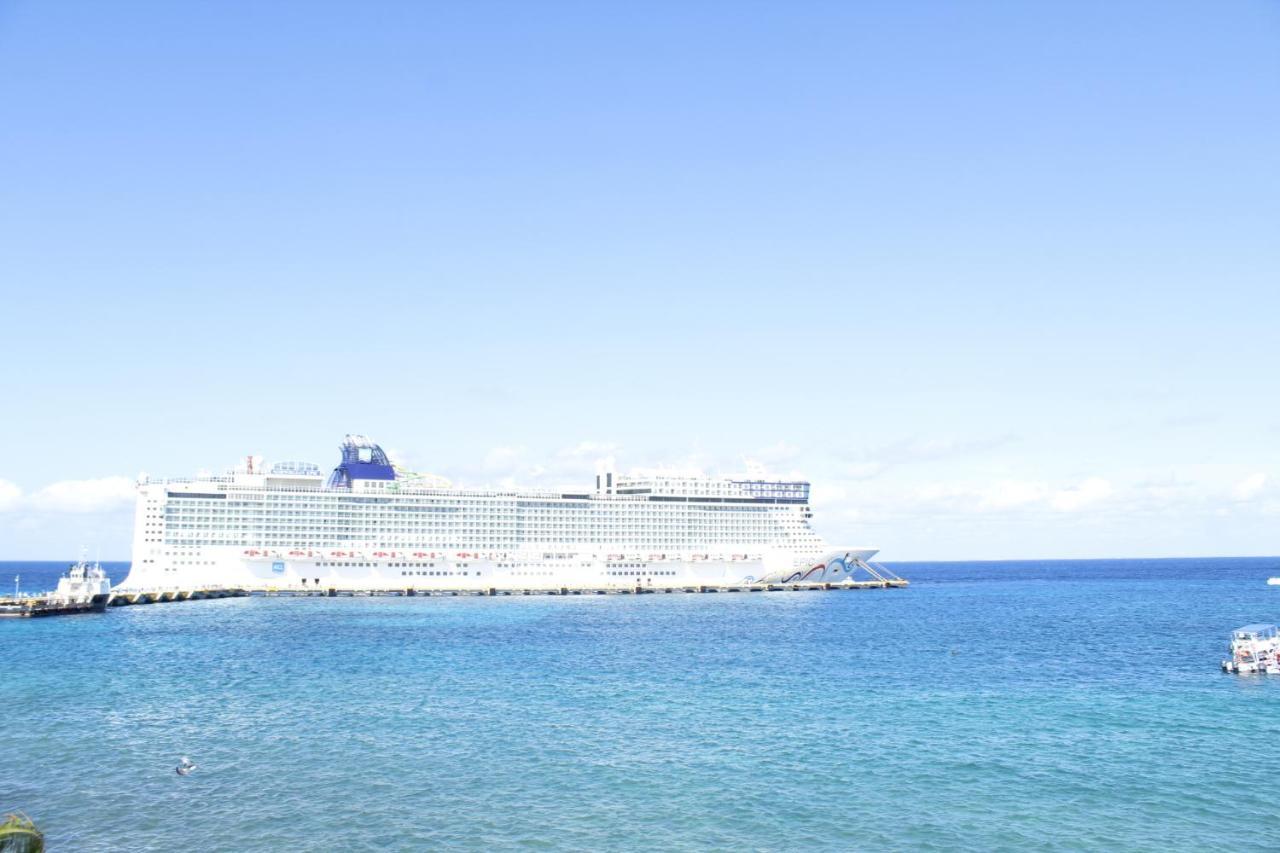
(469, 515)
(341, 519)
(499, 521)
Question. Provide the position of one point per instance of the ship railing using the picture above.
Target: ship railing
(536, 494)
(165, 481)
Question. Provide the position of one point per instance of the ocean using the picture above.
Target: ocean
(1054, 705)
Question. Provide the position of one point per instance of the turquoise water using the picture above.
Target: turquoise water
(1050, 704)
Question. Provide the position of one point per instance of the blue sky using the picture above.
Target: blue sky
(999, 278)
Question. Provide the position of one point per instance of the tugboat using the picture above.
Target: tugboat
(84, 588)
(1254, 649)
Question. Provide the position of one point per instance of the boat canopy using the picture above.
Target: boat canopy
(1260, 630)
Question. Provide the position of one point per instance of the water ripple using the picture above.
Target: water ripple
(1048, 706)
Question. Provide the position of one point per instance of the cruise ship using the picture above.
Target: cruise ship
(369, 525)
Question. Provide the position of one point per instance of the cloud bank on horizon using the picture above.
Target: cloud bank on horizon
(104, 494)
(900, 493)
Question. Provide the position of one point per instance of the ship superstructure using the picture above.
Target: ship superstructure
(367, 525)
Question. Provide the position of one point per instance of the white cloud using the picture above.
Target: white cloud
(1001, 495)
(765, 462)
(502, 458)
(828, 494)
(589, 450)
(873, 462)
(10, 495)
(774, 453)
(1165, 491)
(401, 458)
(106, 493)
(1007, 495)
(510, 467)
(1090, 491)
(688, 468)
(865, 470)
(1249, 488)
(572, 464)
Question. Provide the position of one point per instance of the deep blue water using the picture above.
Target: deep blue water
(1056, 705)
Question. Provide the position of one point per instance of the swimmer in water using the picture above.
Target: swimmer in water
(185, 766)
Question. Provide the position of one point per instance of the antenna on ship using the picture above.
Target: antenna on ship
(16, 578)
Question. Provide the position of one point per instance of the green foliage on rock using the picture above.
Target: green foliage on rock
(19, 834)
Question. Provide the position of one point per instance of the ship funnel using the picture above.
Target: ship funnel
(361, 460)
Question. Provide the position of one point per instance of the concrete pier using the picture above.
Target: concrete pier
(130, 597)
(489, 591)
(122, 598)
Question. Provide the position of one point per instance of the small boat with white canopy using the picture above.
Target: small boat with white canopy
(85, 588)
(1254, 649)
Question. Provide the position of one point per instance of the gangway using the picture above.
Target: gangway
(879, 573)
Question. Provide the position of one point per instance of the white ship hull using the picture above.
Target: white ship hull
(370, 527)
(530, 572)
(506, 572)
